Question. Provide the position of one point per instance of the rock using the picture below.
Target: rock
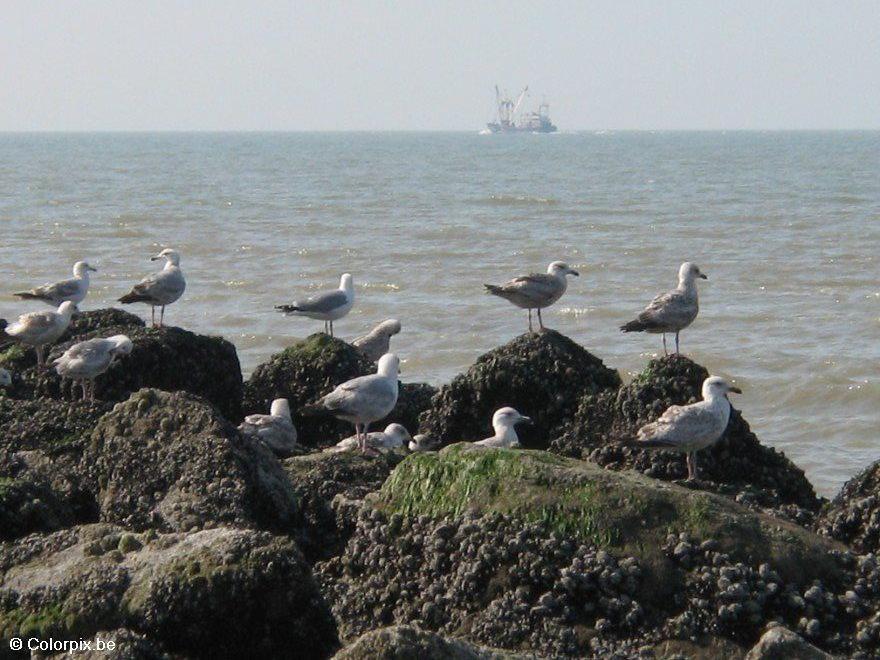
(168, 358)
(853, 516)
(126, 645)
(543, 375)
(223, 593)
(170, 461)
(408, 642)
(329, 488)
(47, 424)
(311, 368)
(738, 465)
(780, 643)
(27, 507)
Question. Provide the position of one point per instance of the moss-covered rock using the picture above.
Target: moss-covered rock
(168, 358)
(738, 465)
(311, 368)
(170, 461)
(329, 489)
(853, 516)
(216, 593)
(543, 375)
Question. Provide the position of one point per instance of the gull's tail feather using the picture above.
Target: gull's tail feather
(287, 309)
(494, 290)
(650, 443)
(134, 297)
(30, 295)
(3, 324)
(634, 326)
(314, 410)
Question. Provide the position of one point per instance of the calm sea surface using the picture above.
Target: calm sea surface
(787, 226)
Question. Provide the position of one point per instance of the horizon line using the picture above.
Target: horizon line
(145, 131)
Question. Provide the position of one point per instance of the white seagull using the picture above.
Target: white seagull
(672, 311)
(366, 399)
(393, 437)
(327, 306)
(537, 290)
(423, 442)
(38, 329)
(377, 342)
(688, 429)
(74, 289)
(276, 429)
(159, 289)
(504, 422)
(89, 359)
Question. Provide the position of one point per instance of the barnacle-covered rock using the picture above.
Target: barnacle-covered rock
(170, 461)
(167, 358)
(224, 593)
(780, 643)
(738, 465)
(853, 516)
(543, 375)
(411, 642)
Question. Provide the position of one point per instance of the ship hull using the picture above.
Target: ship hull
(495, 127)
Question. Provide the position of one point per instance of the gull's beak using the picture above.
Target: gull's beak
(574, 272)
(92, 268)
(703, 277)
(524, 420)
(735, 390)
(155, 258)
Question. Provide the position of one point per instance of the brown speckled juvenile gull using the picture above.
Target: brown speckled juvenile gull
(377, 342)
(89, 359)
(535, 291)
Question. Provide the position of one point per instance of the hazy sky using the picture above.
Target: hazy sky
(217, 65)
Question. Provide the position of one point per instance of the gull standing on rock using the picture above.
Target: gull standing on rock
(393, 437)
(327, 306)
(89, 359)
(159, 289)
(688, 429)
(672, 311)
(38, 329)
(504, 422)
(366, 399)
(74, 289)
(378, 341)
(275, 429)
(535, 291)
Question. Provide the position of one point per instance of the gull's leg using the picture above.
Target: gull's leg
(530, 320)
(331, 328)
(540, 320)
(85, 389)
(153, 315)
(665, 352)
(162, 317)
(676, 342)
(92, 386)
(692, 465)
(41, 357)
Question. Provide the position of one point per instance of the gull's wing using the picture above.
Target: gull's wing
(539, 288)
(34, 322)
(161, 288)
(681, 426)
(362, 395)
(672, 308)
(58, 290)
(321, 303)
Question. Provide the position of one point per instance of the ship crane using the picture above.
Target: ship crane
(519, 100)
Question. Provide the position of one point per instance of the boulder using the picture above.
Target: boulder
(408, 642)
(330, 488)
(853, 516)
(224, 593)
(170, 359)
(738, 465)
(311, 368)
(170, 461)
(525, 550)
(779, 643)
(27, 507)
(543, 375)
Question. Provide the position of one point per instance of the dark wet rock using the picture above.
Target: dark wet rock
(543, 375)
(27, 507)
(737, 466)
(329, 489)
(168, 358)
(170, 461)
(779, 643)
(311, 368)
(409, 642)
(127, 645)
(224, 593)
(853, 516)
(47, 424)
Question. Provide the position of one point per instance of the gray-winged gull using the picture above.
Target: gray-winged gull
(327, 306)
(504, 422)
(688, 429)
(366, 399)
(672, 311)
(276, 429)
(159, 289)
(537, 290)
(89, 359)
(393, 437)
(423, 442)
(54, 294)
(377, 342)
(38, 329)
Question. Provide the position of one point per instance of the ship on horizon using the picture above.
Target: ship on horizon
(510, 119)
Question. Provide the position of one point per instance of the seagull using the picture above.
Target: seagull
(275, 429)
(504, 422)
(535, 291)
(366, 399)
(74, 289)
(159, 289)
(327, 306)
(672, 311)
(393, 437)
(89, 359)
(423, 442)
(688, 429)
(378, 341)
(38, 329)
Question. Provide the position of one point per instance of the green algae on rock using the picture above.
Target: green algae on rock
(543, 375)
